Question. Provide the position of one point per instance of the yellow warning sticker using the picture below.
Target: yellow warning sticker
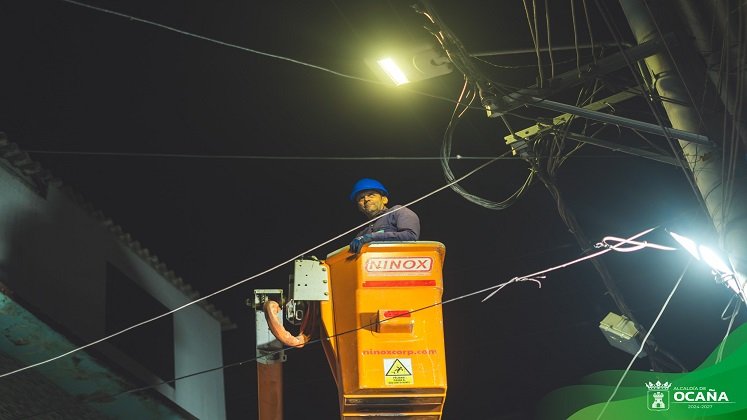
(398, 372)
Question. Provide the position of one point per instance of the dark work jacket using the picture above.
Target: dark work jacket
(400, 225)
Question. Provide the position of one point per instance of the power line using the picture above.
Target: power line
(254, 51)
(621, 245)
(643, 343)
(219, 42)
(231, 286)
(257, 157)
(643, 86)
(311, 158)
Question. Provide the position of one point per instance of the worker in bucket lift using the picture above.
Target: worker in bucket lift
(398, 224)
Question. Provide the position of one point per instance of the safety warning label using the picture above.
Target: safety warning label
(398, 372)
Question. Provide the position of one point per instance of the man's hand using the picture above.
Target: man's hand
(357, 243)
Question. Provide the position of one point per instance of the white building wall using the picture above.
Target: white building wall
(195, 330)
(53, 255)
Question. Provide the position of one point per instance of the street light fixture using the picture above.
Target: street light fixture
(393, 71)
(703, 253)
(411, 65)
(719, 266)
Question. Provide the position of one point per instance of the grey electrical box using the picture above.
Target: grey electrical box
(310, 281)
(621, 333)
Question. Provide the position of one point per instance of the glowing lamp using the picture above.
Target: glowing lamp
(687, 243)
(410, 65)
(714, 261)
(721, 267)
(393, 71)
(703, 253)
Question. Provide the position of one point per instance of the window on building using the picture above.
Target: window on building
(151, 345)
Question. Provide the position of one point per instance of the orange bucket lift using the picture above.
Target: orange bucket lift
(381, 326)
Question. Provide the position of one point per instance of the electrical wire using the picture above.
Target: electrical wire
(215, 41)
(676, 66)
(725, 80)
(457, 52)
(631, 243)
(585, 96)
(442, 38)
(649, 101)
(730, 143)
(525, 66)
(643, 343)
(537, 44)
(258, 157)
(734, 313)
(446, 148)
(546, 175)
(558, 135)
(730, 149)
(449, 175)
(549, 40)
(267, 354)
(311, 158)
(575, 37)
(108, 397)
(620, 247)
(649, 142)
(556, 148)
(268, 270)
(591, 34)
(254, 51)
(533, 31)
(339, 74)
(555, 155)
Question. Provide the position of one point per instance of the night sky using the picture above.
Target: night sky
(158, 131)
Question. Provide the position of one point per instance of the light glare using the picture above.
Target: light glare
(393, 71)
(687, 243)
(714, 261)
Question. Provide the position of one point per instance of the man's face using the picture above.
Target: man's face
(371, 202)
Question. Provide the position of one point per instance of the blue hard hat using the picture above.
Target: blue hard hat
(368, 184)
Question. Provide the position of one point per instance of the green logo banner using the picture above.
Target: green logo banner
(712, 391)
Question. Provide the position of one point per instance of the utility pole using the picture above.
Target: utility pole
(726, 205)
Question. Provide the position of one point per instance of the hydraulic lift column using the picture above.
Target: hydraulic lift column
(270, 358)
